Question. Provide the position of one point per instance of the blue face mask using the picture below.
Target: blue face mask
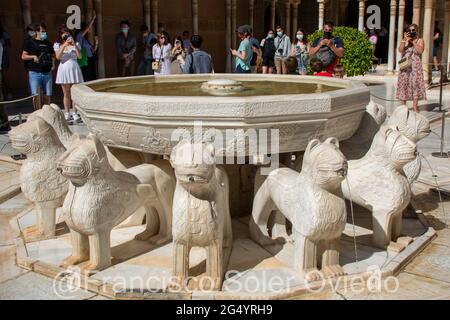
(125, 30)
(280, 34)
(43, 36)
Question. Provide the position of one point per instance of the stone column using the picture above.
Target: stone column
(288, 18)
(428, 30)
(417, 10)
(343, 7)
(362, 12)
(321, 13)
(147, 13)
(233, 23)
(26, 12)
(295, 16)
(272, 16)
(99, 28)
(194, 16)
(400, 28)
(392, 49)
(89, 13)
(155, 15)
(251, 13)
(228, 35)
(446, 37)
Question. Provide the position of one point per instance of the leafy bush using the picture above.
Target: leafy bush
(357, 57)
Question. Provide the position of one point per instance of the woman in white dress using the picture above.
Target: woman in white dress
(69, 72)
(162, 54)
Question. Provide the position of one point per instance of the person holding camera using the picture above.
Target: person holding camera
(283, 47)
(299, 51)
(39, 58)
(178, 55)
(268, 52)
(328, 49)
(410, 83)
(162, 52)
(69, 71)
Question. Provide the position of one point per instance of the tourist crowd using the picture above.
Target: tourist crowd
(161, 55)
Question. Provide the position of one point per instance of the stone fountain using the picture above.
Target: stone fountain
(229, 223)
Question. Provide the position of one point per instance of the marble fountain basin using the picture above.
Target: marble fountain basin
(141, 113)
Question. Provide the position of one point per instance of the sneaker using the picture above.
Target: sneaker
(76, 118)
(68, 116)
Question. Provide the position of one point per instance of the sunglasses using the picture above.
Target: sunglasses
(162, 37)
(412, 30)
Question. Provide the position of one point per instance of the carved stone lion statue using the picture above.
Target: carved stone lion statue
(312, 201)
(415, 127)
(201, 214)
(100, 198)
(377, 183)
(40, 181)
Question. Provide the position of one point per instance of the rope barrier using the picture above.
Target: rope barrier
(18, 100)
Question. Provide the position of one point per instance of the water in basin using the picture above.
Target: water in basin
(193, 88)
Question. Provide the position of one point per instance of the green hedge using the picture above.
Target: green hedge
(357, 57)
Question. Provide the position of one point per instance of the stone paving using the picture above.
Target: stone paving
(427, 276)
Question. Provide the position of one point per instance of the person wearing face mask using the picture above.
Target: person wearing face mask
(268, 52)
(283, 47)
(148, 41)
(299, 50)
(68, 51)
(410, 83)
(126, 49)
(39, 58)
(328, 49)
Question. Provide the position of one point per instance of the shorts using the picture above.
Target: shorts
(268, 62)
(280, 63)
(41, 80)
(240, 70)
(435, 52)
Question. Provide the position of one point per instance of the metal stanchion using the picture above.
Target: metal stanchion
(441, 153)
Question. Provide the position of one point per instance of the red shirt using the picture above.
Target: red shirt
(323, 74)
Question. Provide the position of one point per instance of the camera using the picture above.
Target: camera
(280, 51)
(67, 37)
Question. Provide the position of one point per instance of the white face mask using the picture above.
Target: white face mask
(300, 37)
(31, 33)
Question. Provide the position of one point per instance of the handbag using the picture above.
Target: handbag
(156, 64)
(405, 64)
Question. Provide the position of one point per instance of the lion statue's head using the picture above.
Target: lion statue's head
(397, 148)
(325, 163)
(33, 136)
(413, 125)
(194, 165)
(85, 159)
(377, 112)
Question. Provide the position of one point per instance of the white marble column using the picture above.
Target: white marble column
(99, 27)
(147, 13)
(446, 37)
(273, 7)
(194, 16)
(155, 15)
(26, 12)
(295, 16)
(428, 30)
(251, 13)
(321, 13)
(417, 10)
(228, 35)
(392, 49)
(362, 13)
(288, 18)
(400, 28)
